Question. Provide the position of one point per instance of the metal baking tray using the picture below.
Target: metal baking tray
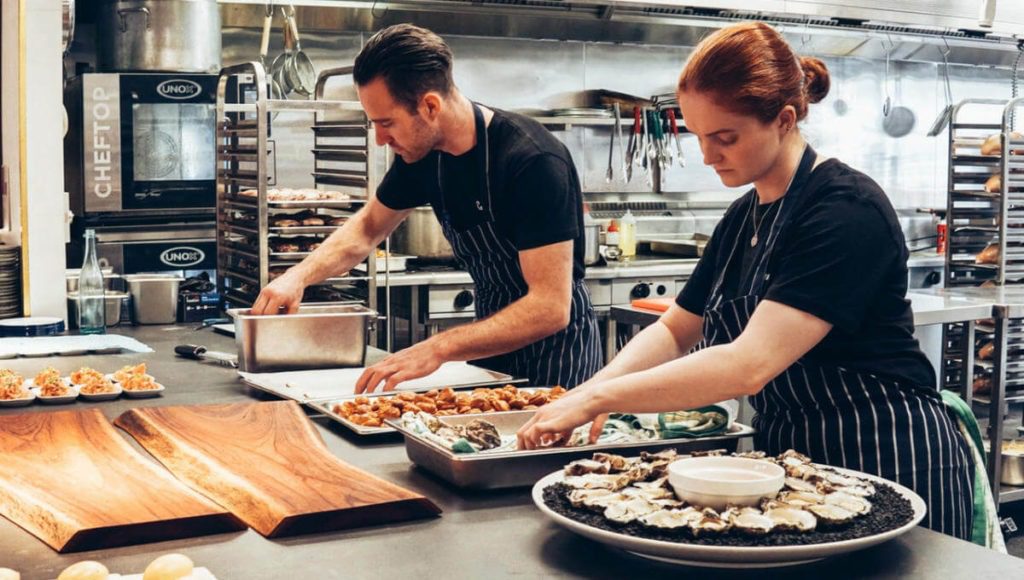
(523, 468)
(325, 203)
(326, 407)
(326, 384)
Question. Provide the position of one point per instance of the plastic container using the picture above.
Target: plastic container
(627, 235)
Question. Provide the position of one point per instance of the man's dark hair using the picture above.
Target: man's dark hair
(410, 59)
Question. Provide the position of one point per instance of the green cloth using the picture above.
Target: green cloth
(985, 531)
(701, 422)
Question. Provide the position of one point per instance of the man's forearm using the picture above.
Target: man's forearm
(522, 322)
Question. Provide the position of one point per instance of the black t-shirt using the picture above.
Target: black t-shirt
(842, 258)
(535, 189)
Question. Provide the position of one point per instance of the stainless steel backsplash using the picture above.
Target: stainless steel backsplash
(513, 73)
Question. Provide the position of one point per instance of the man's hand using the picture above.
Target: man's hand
(282, 296)
(554, 423)
(416, 361)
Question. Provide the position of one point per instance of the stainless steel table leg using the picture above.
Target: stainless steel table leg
(414, 314)
(967, 388)
(995, 420)
(610, 344)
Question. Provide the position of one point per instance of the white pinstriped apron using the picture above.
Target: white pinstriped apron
(845, 418)
(568, 357)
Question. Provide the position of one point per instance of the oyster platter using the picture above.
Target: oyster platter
(634, 503)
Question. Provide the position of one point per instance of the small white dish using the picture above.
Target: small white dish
(718, 482)
(61, 399)
(102, 396)
(144, 394)
(18, 402)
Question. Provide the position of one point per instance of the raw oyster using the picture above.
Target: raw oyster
(482, 433)
(709, 522)
(663, 455)
(708, 453)
(751, 455)
(839, 480)
(865, 490)
(649, 492)
(615, 462)
(629, 510)
(852, 503)
(751, 521)
(584, 466)
(788, 518)
(801, 498)
(798, 484)
(593, 498)
(671, 518)
(613, 482)
(801, 471)
(791, 457)
(830, 514)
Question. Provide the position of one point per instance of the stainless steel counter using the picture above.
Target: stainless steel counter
(479, 535)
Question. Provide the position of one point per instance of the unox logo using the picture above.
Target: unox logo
(182, 256)
(179, 89)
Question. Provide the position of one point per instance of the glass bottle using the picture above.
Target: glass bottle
(91, 299)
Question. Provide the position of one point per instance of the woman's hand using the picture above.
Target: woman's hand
(554, 423)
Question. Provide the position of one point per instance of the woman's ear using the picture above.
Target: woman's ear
(786, 119)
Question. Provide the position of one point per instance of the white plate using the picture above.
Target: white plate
(18, 402)
(731, 556)
(102, 396)
(69, 398)
(144, 394)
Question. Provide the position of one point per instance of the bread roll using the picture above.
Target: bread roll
(982, 385)
(313, 221)
(87, 570)
(994, 184)
(286, 223)
(985, 352)
(994, 144)
(990, 255)
(8, 574)
(168, 567)
(337, 221)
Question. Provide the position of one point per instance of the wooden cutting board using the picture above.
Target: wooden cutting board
(72, 480)
(266, 463)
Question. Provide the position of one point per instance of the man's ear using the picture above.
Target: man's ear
(430, 106)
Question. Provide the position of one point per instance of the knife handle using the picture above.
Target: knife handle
(191, 351)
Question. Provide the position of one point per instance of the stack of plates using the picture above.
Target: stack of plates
(32, 326)
(10, 281)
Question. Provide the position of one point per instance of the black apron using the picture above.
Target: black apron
(841, 417)
(568, 357)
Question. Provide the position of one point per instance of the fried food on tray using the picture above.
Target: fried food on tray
(372, 411)
(128, 371)
(141, 382)
(98, 386)
(85, 375)
(12, 386)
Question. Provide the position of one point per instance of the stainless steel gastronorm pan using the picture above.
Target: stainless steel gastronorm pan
(317, 337)
(524, 468)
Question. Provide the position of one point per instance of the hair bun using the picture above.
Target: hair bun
(816, 78)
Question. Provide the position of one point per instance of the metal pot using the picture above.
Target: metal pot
(421, 235)
(159, 35)
(592, 248)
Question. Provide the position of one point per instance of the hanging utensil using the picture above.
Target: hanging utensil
(897, 121)
(299, 69)
(280, 61)
(275, 87)
(638, 137)
(675, 137)
(609, 174)
(947, 112)
(633, 143)
(618, 132)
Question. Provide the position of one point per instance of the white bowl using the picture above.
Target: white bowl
(718, 482)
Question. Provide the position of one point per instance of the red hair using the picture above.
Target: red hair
(751, 70)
